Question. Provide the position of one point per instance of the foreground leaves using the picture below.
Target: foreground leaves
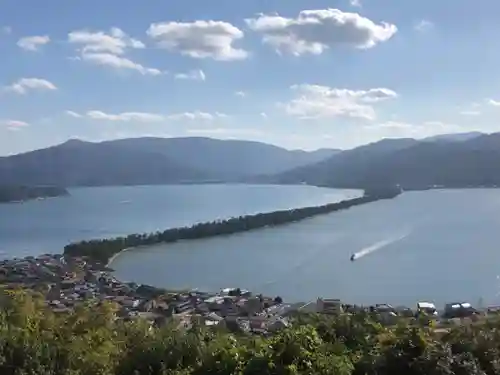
(91, 341)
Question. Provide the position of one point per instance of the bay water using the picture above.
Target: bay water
(441, 246)
(46, 226)
(438, 245)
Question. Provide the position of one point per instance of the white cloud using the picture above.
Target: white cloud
(470, 113)
(26, 84)
(221, 115)
(438, 127)
(416, 130)
(13, 124)
(355, 3)
(197, 115)
(115, 42)
(315, 31)
(118, 62)
(314, 101)
(390, 125)
(108, 49)
(263, 115)
(241, 94)
(146, 116)
(73, 114)
(423, 25)
(195, 75)
(125, 116)
(226, 132)
(436, 123)
(493, 102)
(6, 30)
(33, 43)
(199, 39)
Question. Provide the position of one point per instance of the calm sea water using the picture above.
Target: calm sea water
(48, 225)
(442, 246)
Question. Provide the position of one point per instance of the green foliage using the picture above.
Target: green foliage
(91, 341)
(12, 193)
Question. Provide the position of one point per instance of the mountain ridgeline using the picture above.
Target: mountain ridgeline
(459, 162)
(148, 161)
(450, 160)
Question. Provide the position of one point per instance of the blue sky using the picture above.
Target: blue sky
(299, 74)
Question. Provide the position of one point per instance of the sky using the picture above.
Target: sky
(295, 73)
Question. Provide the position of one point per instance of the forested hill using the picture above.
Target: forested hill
(226, 159)
(457, 160)
(410, 163)
(150, 161)
(23, 193)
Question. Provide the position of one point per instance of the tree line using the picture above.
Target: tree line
(10, 193)
(90, 341)
(103, 249)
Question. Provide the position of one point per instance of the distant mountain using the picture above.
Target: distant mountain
(149, 161)
(226, 159)
(457, 137)
(342, 163)
(77, 163)
(407, 162)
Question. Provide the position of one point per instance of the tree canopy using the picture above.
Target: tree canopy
(91, 341)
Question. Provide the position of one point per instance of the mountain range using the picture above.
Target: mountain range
(150, 161)
(450, 160)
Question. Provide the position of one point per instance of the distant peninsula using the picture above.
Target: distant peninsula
(24, 193)
(104, 250)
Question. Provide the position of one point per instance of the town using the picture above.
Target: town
(66, 282)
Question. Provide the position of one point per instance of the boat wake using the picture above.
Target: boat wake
(377, 246)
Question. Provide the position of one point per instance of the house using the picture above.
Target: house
(68, 284)
(426, 308)
(151, 317)
(131, 303)
(258, 324)
(214, 302)
(229, 308)
(184, 307)
(253, 306)
(202, 307)
(277, 324)
(234, 324)
(278, 310)
(384, 308)
(329, 306)
(213, 319)
(458, 310)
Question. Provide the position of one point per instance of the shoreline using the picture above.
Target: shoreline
(108, 265)
(22, 194)
(106, 250)
(115, 256)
